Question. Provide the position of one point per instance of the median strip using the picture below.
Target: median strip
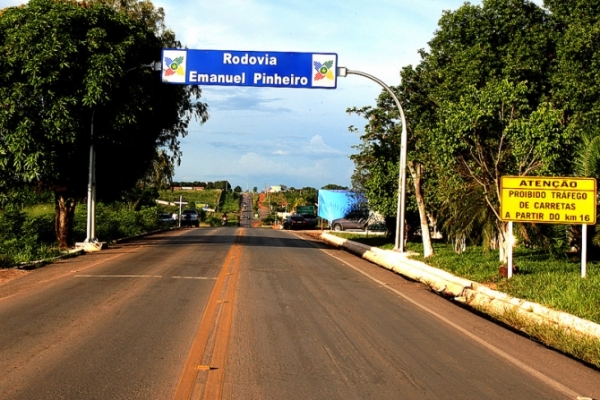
(216, 325)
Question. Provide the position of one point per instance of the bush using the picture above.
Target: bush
(269, 219)
(213, 221)
(25, 239)
(117, 221)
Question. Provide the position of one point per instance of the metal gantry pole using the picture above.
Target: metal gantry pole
(401, 209)
(91, 193)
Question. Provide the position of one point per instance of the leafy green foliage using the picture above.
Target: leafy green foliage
(71, 71)
(25, 239)
(116, 221)
(306, 196)
(480, 105)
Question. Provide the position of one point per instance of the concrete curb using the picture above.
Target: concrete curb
(141, 235)
(40, 263)
(471, 293)
(83, 250)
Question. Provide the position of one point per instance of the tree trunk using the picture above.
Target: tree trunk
(63, 220)
(416, 172)
(460, 244)
(390, 223)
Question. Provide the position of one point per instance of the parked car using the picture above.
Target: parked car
(294, 222)
(342, 224)
(311, 220)
(166, 218)
(190, 217)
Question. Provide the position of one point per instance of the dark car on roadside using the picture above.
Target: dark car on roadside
(190, 218)
(342, 224)
(166, 218)
(311, 220)
(295, 222)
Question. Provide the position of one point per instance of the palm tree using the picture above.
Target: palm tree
(587, 164)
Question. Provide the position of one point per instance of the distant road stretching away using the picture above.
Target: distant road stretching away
(256, 313)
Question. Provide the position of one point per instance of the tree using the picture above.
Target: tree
(587, 164)
(377, 161)
(377, 166)
(67, 65)
(487, 79)
(310, 195)
(160, 175)
(333, 186)
(224, 185)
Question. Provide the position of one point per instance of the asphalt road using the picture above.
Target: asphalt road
(254, 313)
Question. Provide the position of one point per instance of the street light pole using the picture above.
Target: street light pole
(91, 193)
(401, 209)
(91, 243)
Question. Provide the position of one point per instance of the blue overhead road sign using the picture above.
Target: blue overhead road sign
(250, 68)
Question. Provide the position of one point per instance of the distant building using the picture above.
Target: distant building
(274, 189)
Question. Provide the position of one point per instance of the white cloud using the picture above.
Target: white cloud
(318, 147)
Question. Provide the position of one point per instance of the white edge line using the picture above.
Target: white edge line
(544, 378)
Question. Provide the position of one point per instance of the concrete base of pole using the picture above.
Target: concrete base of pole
(89, 247)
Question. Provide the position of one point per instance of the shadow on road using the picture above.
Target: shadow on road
(249, 239)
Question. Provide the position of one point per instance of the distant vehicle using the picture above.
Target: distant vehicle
(311, 220)
(342, 224)
(295, 222)
(166, 218)
(190, 217)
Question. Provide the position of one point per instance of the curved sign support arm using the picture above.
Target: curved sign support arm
(400, 216)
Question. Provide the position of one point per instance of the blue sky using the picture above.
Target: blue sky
(295, 137)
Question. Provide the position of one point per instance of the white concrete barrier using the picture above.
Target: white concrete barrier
(468, 292)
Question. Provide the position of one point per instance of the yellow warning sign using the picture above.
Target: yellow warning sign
(543, 199)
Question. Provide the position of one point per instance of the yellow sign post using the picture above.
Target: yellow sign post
(542, 199)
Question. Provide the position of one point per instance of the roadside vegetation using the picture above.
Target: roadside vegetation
(27, 230)
(211, 203)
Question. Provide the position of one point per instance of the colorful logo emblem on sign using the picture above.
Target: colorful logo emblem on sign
(175, 66)
(324, 70)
